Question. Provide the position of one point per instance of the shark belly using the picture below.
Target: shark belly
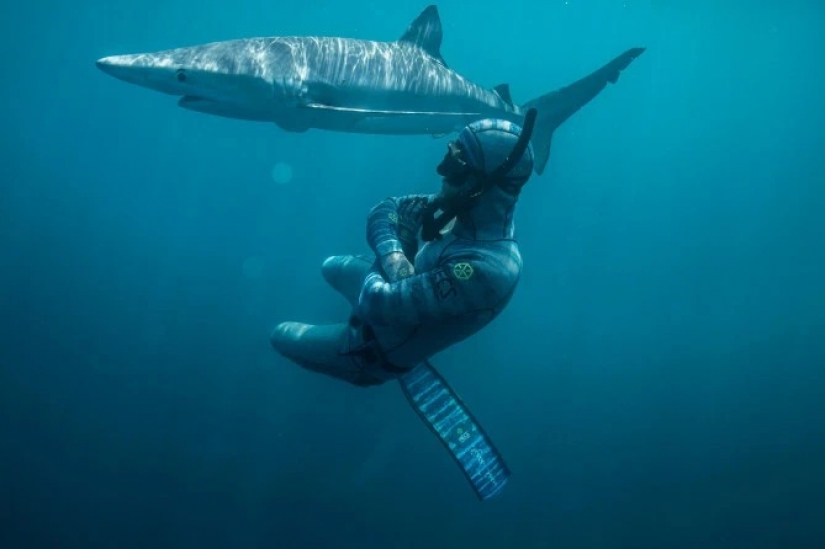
(379, 121)
(413, 124)
(390, 111)
(239, 111)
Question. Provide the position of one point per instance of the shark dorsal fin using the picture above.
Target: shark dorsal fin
(503, 91)
(425, 32)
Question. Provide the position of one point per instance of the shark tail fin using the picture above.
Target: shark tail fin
(559, 105)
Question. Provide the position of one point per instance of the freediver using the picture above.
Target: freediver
(409, 304)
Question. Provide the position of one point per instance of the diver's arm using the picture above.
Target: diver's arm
(392, 233)
(453, 288)
(382, 228)
(393, 224)
(382, 237)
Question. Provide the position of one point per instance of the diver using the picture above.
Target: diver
(405, 311)
(409, 304)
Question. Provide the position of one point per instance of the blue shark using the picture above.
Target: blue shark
(400, 87)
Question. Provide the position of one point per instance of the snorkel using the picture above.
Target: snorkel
(431, 226)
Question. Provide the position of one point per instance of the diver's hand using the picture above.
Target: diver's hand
(396, 266)
(410, 216)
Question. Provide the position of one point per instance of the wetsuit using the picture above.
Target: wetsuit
(462, 281)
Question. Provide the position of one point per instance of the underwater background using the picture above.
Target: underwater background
(658, 380)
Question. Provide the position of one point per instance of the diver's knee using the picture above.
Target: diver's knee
(331, 262)
(332, 266)
(338, 265)
(276, 336)
(285, 334)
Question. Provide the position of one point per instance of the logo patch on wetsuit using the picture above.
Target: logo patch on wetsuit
(463, 271)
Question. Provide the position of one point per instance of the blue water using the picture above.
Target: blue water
(657, 380)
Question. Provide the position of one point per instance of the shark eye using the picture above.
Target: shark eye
(181, 75)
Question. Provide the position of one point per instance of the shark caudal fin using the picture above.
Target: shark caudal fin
(557, 106)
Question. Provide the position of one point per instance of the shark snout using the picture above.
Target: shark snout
(123, 67)
(153, 71)
(105, 64)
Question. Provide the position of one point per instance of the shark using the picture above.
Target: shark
(399, 87)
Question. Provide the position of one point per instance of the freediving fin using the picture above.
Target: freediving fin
(446, 415)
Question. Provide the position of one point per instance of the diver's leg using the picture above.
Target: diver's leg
(346, 273)
(326, 349)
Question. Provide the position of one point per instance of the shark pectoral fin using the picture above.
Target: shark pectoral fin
(333, 108)
(382, 113)
(320, 93)
(426, 33)
(355, 110)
